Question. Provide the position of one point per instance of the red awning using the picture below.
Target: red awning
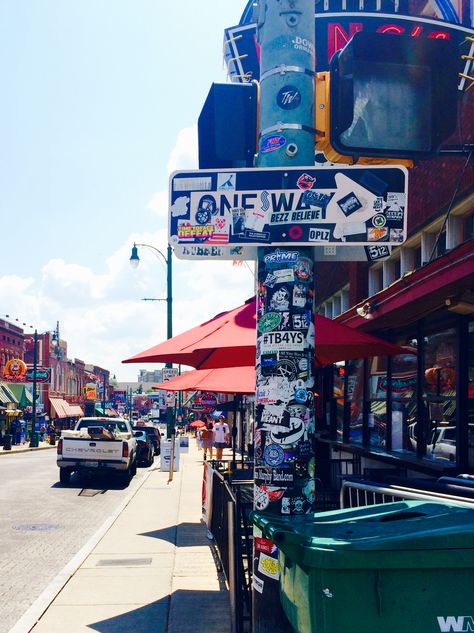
(229, 340)
(229, 380)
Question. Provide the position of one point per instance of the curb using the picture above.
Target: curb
(27, 450)
(31, 617)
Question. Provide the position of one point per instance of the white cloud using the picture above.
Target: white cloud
(102, 316)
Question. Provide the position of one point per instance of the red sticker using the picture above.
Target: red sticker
(263, 545)
(295, 232)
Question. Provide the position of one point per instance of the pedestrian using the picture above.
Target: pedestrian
(42, 432)
(221, 436)
(207, 436)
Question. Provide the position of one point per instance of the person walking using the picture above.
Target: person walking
(207, 437)
(221, 436)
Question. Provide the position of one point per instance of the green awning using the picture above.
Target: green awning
(6, 395)
(21, 393)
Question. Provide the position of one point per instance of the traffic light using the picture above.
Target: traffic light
(387, 97)
(227, 126)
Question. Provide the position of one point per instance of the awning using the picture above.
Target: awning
(6, 395)
(21, 393)
(111, 413)
(75, 410)
(230, 380)
(60, 407)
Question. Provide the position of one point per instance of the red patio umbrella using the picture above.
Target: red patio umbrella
(197, 424)
(229, 340)
(228, 380)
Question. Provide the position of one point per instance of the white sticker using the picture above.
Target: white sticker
(284, 276)
(282, 341)
(257, 532)
(258, 584)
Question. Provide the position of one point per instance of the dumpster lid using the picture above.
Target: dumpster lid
(402, 525)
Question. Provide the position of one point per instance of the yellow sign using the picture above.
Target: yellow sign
(15, 370)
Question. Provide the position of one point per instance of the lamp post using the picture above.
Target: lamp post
(134, 261)
(103, 392)
(33, 436)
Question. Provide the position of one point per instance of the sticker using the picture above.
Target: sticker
(304, 450)
(286, 505)
(301, 321)
(349, 204)
(309, 491)
(258, 583)
(272, 143)
(377, 251)
(299, 296)
(269, 415)
(303, 44)
(264, 545)
(379, 220)
(316, 199)
(300, 395)
(261, 499)
(282, 341)
(376, 235)
(270, 280)
(288, 98)
(268, 364)
(268, 566)
(305, 182)
(319, 235)
(269, 322)
(274, 455)
(279, 257)
(257, 532)
(275, 494)
(238, 220)
(303, 269)
(286, 275)
(280, 299)
(295, 232)
(226, 182)
(290, 434)
(297, 504)
(180, 207)
(205, 209)
(396, 235)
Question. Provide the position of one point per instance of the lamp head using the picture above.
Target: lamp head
(134, 259)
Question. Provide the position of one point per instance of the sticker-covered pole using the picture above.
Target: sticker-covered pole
(284, 428)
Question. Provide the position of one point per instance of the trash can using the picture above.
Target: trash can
(34, 440)
(52, 439)
(389, 568)
(7, 442)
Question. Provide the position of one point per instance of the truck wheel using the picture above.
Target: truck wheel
(64, 475)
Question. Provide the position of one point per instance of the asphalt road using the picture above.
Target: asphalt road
(44, 524)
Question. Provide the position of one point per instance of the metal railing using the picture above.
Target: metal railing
(355, 494)
(231, 529)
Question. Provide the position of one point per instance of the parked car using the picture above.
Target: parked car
(154, 435)
(145, 448)
(97, 444)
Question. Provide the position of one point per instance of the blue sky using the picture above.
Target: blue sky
(99, 101)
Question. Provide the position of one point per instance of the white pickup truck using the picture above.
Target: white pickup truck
(98, 445)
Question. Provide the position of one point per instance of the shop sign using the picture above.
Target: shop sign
(208, 401)
(15, 370)
(43, 375)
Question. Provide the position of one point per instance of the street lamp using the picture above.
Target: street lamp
(134, 261)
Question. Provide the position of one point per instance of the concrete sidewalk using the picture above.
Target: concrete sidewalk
(154, 570)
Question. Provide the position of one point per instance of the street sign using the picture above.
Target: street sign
(352, 206)
(169, 373)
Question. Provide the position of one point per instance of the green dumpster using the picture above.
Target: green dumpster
(404, 567)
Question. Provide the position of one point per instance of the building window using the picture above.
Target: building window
(470, 394)
(375, 280)
(338, 399)
(355, 396)
(404, 427)
(439, 395)
(468, 227)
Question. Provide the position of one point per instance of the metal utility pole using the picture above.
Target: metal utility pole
(34, 437)
(284, 459)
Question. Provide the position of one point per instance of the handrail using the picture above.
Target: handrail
(403, 493)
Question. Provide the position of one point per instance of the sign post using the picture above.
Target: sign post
(284, 459)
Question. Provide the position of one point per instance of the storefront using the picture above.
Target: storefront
(414, 411)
